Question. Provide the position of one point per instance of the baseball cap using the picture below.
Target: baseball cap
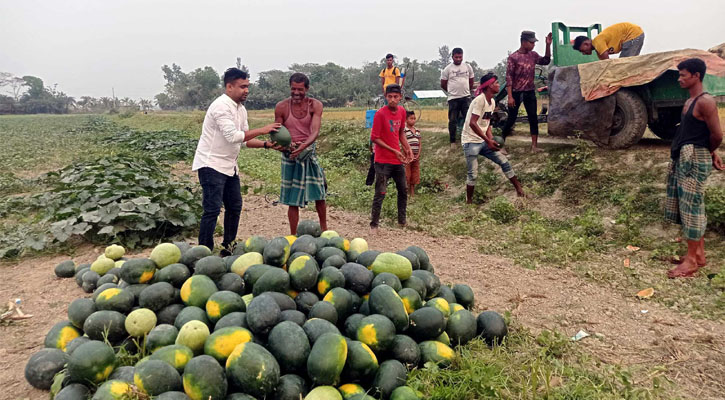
(529, 36)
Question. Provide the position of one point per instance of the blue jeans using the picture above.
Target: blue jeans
(473, 150)
(218, 189)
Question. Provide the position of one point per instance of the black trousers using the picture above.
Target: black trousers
(457, 110)
(217, 190)
(383, 172)
(529, 99)
(371, 171)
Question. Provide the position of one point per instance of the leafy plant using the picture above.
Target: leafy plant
(163, 145)
(502, 211)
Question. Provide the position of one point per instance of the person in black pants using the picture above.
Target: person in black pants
(520, 83)
(457, 81)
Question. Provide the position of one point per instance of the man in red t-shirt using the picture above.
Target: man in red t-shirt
(387, 135)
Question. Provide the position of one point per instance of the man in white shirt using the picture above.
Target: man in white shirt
(457, 80)
(224, 132)
(477, 138)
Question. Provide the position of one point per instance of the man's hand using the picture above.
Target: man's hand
(511, 102)
(296, 148)
(717, 162)
(492, 144)
(270, 128)
(549, 39)
(401, 157)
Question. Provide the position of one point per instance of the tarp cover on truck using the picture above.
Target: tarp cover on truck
(603, 78)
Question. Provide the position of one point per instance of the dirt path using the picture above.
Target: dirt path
(692, 351)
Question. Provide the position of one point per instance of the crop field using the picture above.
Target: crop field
(569, 258)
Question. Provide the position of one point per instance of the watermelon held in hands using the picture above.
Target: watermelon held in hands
(281, 137)
(500, 140)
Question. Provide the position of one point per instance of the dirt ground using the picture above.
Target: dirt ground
(625, 331)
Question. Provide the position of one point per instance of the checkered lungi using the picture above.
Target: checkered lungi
(685, 203)
(303, 180)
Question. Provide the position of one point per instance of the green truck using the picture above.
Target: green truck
(619, 120)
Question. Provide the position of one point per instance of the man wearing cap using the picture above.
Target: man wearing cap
(623, 37)
(391, 73)
(520, 83)
(477, 138)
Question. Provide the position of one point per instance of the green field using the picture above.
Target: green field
(585, 206)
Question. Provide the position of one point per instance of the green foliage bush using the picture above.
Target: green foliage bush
(502, 211)
(715, 208)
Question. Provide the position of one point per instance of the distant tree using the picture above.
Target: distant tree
(500, 70)
(242, 66)
(145, 104)
(14, 84)
(196, 89)
(444, 56)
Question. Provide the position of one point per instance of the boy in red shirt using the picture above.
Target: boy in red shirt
(388, 135)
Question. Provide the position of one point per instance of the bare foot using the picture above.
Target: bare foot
(701, 262)
(521, 194)
(373, 230)
(402, 226)
(536, 150)
(685, 270)
(453, 146)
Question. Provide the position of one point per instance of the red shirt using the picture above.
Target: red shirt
(520, 70)
(387, 126)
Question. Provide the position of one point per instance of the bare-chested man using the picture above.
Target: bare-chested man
(303, 180)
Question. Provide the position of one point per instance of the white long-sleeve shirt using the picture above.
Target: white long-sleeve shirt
(222, 136)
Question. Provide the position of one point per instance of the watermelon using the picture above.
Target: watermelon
(293, 316)
(73, 344)
(197, 290)
(115, 299)
(246, 260)
(491, 327)
(61, 334)
(404, 393)
(461, 327)
(394, 264)
(500, 140)
(385, 301)
(324, 310)
(423, 258)
(106, 324)
(426, 323)
(443, 338)
(90, 281)
(74, 391)
(436, 352)
(252, 367)
(305, 300)
(232, 319)
(376, 331)
(326, 252)
(175, 355)
(263, 313)
(290, 387)
(329, 234)
(324, 393)
(42, 367)
(193, 335)
(405, 350)
(222, 342)
(112, 390)
(432, 283)
(303, 273)
(340, 243)
(316, 327)
(439, 304)
(122, 374)
(276, 252)
(464, 295)
(192, 255)
(138, 270)
(288, 344)
(366, 258)
(390, 375)
(361, 363)
(211, 266)
(281, 137)
(91, 362)
(416, 284)
(205, 379)
(154, 377)
(341, 299)
(350, 389)
(414, 262)
(252, 275)
(309, 227)
(156, 296)
(222, 303)
(165, 254)
(231, 282)
(255, 244)
(351, 324)
(386, 278)
(447, 294)
(304, 244)
(411, 299)
(357, 247)
(107, 278)
(274, 280)
(357, 277)
(329, 278)
(102, 265)
(190, 313)
(139, 322)
(327, 359)
(336, 261)
(65, 269)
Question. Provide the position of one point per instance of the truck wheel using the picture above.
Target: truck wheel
(629, 121)
(668, 121)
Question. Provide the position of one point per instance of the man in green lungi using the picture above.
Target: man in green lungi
(303, 180)
(693, 156)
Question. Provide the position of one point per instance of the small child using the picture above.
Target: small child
(412, 168)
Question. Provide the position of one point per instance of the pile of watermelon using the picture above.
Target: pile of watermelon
(312, 316)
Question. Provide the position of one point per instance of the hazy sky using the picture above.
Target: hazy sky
(88, 47)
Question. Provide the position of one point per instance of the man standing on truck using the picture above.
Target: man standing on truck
(520, 84)
(693, 156)
(391, 73)
(623, 37)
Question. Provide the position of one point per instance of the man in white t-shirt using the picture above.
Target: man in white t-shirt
(457, 80)
(224, 132)
(477, 139)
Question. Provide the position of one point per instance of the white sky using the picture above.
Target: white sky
(88, 47)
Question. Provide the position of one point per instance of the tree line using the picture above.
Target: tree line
(334, 85)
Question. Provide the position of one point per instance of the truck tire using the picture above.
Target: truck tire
(629, 121)
(667, 123)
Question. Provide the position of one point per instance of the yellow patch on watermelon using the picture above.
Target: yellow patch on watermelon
(138, 382)
(444, 351)
(408, 307)
(119, 388)
(290, 239)
(366, 296)
(236, 353)
(109, 293)
(146, 276)
(225, 345)
(185, 291)
(65, 336)
(193, 392)
(368, 334)
(350, 389)
(370, 351)
(298, 265)
(346, 245)
(329, 297)
(213, 309)
(323, 286)
(103, 375)
(180, 358)
(292, 293)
